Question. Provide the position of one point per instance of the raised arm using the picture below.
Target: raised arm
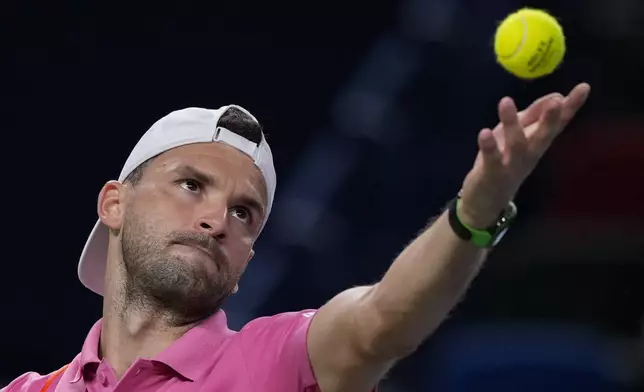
(357, 336)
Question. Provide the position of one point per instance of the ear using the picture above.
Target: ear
(250, 256)
(110, 205)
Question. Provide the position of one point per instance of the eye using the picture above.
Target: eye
(190, 185)
(242, 214)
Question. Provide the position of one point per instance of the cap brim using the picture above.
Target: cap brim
(91, 268)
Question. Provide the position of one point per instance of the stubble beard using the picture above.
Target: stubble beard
(161, 282)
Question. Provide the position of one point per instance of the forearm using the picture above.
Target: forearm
(420, 288)
(356, 337)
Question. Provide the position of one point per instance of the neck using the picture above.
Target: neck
(130, 332)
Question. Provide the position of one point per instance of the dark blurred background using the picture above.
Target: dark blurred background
(372, 110)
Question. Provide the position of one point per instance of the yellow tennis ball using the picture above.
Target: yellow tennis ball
(529, 43)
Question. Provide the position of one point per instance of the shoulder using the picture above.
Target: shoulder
(27, 382)
(34, 382)
(282, 323)
(276, 348)
(276, 333)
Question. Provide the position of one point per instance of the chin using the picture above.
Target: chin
(197, 268)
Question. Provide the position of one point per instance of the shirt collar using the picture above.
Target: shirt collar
(89, 353)
(187, 355)
(184, 356)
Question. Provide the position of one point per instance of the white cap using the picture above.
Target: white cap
(181, 127)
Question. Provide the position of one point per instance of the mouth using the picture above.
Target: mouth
(198, 247)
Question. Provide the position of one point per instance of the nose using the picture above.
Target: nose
(214, 223)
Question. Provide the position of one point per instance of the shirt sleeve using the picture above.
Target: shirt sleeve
(27, 382)
(275, 352)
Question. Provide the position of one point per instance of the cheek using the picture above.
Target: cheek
(157, 220)
(240, 247)
(145, 223)
(173, 209)
(244, 238)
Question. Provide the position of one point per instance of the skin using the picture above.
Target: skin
(356, 337)
(180, 240)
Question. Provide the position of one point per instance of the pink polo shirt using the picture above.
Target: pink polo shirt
(269, 354)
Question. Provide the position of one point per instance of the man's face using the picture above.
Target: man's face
(188, 228)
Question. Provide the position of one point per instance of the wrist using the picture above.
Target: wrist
(476, 218)
(476, 228)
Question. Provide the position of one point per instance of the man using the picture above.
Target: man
(176, 232)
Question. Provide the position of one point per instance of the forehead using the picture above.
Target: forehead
(216, 159)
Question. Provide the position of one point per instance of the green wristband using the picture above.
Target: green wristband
(480, 238)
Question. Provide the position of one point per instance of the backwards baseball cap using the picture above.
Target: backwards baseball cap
(181, 127)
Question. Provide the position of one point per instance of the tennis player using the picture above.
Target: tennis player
(176, 232)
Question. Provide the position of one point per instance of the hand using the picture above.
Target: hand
(510, 152)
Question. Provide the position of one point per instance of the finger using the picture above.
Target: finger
(532, 113)
(548, 129)
(515, 140)
(489, 148)
(574, 101)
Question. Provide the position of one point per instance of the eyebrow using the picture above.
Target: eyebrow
(208, 180)
(192, 172)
